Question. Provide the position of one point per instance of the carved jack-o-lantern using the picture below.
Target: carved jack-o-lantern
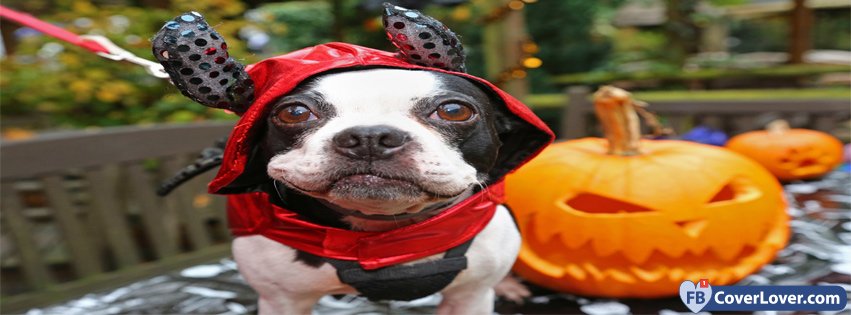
(790, 153)
(634, 218)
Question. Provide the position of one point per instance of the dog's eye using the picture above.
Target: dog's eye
(295, 114)
(452, 112)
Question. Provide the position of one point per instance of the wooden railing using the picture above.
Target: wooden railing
(732, 116)
(81, 214)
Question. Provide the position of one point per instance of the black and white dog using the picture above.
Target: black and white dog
(407, 154)
(378, 144)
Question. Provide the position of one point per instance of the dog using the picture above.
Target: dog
(359, 171)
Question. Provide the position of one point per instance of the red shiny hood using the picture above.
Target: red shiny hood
(277, 76)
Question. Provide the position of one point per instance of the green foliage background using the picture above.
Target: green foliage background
(49, 84)
(53, 84)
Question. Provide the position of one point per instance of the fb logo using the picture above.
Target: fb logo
(695, 297)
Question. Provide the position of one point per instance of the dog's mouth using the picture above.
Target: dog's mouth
(387, 189)
(374, 187)
(374, 196)
(372, 181)
(384, 217)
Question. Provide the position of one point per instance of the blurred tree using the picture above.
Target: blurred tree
(772, 33)
(287, 26)
(639, 49)
(280, 27)
(49, 83)
(682, 30)
(570, 34)
(801, 26)
(573, 36)
(372, 5)
(831, 29)
(765, 34)
(362, 26)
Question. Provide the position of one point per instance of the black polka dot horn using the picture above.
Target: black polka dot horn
(422, 40)
(197, 60)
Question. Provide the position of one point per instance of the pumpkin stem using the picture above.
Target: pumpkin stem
(616, 110)
(777, 126)
(656, 127)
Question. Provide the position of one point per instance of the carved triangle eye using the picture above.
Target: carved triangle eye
(737, 188)
(725, 193)
(596, 204)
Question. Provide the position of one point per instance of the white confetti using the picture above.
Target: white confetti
(202, 271)
(843, 268)
(236, 308)
(845, 237)
(228, 263)
(778, 269)
(85, 302)
(812, 205)
(842, 253)
(431, 300)
(346, 302)
(756, 279)
(839, 198)
(207, 292)
(114, 295)
(605, 308)
(801, 188)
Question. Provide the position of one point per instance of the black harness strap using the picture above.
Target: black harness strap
(404, 282)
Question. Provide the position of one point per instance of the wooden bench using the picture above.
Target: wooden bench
(731, 116)
(80, 212)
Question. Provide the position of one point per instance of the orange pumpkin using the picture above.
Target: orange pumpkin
(790, 153)
(634, 218)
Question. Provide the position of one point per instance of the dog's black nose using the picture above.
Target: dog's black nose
(370, 142)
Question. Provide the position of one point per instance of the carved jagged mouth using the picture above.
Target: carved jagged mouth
(583, 262)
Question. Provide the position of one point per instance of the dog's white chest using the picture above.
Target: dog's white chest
(271, 268)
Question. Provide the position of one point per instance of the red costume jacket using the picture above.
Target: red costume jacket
(252, 213)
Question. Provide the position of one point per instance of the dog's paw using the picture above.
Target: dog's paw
(512, 290)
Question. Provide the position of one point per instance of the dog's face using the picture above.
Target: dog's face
(383, 141)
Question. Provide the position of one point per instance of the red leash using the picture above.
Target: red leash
(51, 30)
(99, 45)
